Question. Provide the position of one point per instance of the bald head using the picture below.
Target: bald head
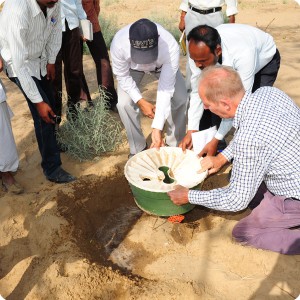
(221, 85)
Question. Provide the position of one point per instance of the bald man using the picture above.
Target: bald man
(266, 165)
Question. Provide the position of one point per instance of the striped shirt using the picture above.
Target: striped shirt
(28, 41)
(265, 148)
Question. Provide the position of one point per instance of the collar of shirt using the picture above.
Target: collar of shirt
(240, 109)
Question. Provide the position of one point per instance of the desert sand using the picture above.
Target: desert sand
(88, 239)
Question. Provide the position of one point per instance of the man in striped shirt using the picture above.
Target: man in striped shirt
(30, 38)
(266, 165)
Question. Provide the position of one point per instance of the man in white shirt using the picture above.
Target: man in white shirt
(9, 160)
(30, 38)
(201, 12)
(70, 54)
(147, 48)
(249, 50)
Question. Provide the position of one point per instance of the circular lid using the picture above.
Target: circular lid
(160, 170)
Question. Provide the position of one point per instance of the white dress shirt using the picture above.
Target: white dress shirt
(247, 50)
(231, 5)
(167, 63)
(265, 148)
(29, 41)
(72, 11)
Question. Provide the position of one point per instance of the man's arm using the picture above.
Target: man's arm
(195, 110)
(165, 89)
(17, 37)
(248, 171)
(184, 8)
(231, 10)
(54, 42)
(80, 11)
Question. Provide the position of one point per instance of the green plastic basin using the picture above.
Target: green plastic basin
(156, 203)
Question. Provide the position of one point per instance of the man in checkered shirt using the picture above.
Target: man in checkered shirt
(266, 166)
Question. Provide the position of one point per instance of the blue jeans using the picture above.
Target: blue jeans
(44, 132)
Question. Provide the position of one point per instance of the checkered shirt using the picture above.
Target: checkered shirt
(265, 147)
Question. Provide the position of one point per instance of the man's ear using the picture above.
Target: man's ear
(218, 50)
(226, 103)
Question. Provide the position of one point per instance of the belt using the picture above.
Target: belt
(205, 11)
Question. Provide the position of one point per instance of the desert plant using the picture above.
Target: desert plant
(109, 28)
(90, 131)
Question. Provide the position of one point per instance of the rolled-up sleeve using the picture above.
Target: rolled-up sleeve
(231, 8)
(184, 5)
(80, 11)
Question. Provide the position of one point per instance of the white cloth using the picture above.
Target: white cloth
(247, 50)
(9, 160)
(72, 11)
(167, 63)
(29, 41)
(231, 5)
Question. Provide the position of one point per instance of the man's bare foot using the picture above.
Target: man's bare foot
(9, 184)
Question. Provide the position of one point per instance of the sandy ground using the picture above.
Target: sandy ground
(88, 240)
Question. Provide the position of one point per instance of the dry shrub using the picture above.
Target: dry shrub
(90, 131)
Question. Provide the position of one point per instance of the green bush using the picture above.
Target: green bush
(90, 131)
(109, 28)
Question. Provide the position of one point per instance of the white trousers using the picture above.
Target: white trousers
(193, 19)
(130, 114)
(9, 160)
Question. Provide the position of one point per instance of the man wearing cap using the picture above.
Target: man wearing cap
(147, 48)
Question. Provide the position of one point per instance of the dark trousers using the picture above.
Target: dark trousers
(44, 132)
(268, 74)
(100, 56)
(265, 77)
(70, 55)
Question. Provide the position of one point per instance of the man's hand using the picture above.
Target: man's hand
(210, 148)
(45, 112)
(1, 64)
(187, 142)
(51, 72)
(181, 25)
(231, 19)
(147, 108)
(157, 140)
(83, 38)
(213, 163)
(179, 196)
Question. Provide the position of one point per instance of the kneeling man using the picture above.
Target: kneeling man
(266, 165)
